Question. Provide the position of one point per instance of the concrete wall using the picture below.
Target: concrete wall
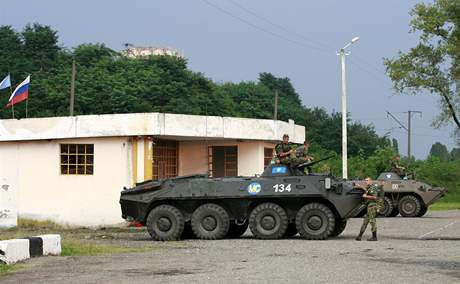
(149, 124)
(43, 193)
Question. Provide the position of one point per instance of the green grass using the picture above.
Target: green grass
(7, 268)
(72, 247)
(445, 205)
(80, 241)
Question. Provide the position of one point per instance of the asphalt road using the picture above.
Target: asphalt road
(410, 250)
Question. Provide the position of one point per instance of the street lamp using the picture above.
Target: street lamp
(342, 54)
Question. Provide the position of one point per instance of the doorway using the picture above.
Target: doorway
(223, 161)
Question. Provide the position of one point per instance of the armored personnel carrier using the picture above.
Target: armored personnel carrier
(281, 202)
(408, 197)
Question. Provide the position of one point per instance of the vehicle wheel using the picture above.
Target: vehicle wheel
(268, 221)
(409, 206)
(236, 230)
(210, 222)
(395, 212)
(165, 223)
(387, 207)
(422, 211)
(340, 225)
(188, 232)
(291, 231)
(315, 221)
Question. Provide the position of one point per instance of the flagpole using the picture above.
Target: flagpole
(27, 102)
(12, 105)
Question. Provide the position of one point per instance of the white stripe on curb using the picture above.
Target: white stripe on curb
(51, 244)
(15, 250)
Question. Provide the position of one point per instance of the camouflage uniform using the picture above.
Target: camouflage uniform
(289, 160)
(302, 153)
(303, 157)
(373, 208)
(396, 168)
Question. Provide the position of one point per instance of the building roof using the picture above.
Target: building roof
(174, 126)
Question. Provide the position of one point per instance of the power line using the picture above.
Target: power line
(322, 45)
(262, 29)
(300, 43)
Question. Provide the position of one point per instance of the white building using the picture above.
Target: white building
(71, 169)
(139, 52)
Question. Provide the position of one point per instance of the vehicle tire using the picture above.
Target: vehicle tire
(188, 232)
(268, 221)
(315, 221)
(395, 212)
(291, 231)
(387, 207)
(340, 225)
(409, 206)
(422, 211)
(210, 222)
(237, 230)
(165, 223)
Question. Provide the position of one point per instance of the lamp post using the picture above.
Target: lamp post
(342, 55)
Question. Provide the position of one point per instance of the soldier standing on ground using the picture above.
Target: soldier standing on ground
(372, 195)
(397, 168)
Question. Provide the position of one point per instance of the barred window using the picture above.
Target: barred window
(268, 156)
(77, 159)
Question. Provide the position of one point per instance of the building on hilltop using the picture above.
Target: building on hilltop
(132, 51)
(71, 169)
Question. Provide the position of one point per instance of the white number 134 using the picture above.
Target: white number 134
(279, 187)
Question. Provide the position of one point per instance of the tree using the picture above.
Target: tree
(434, 64)
(455, 154)
(439, 151)
(40, 45)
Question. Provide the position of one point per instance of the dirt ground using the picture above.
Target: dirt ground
(410, 250)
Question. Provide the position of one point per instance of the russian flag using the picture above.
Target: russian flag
(21, 93)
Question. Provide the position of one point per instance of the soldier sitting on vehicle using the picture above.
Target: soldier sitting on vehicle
(302, 154)
(397, 168)
(285, 152)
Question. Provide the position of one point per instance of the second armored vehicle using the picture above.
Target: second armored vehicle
(408, 197)
(282, 202)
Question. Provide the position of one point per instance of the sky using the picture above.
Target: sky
(235, 40)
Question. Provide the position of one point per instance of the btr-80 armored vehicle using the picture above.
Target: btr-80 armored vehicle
(279, 203)
(407, 197)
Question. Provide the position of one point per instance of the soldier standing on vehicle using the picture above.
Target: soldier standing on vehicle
(397, 168)
(372, 196)
(285, 151)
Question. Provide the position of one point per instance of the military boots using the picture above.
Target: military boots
(374, 236)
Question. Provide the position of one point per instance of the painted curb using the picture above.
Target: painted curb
(15, 250)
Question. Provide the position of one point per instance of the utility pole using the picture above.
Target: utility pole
(275, 115)
(408, 128)
(344, 117)
(409, 116)
(342, 55)
(72, 89)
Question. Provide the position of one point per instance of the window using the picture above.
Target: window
(164, 159)
(77, 159)
(268, 156)
(223, 161)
